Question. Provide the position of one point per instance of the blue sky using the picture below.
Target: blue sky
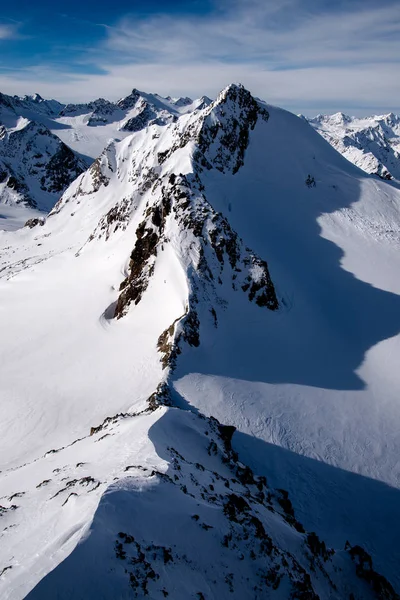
(306, 55)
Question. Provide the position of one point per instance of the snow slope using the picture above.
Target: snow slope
(45, 145)
(229, 264)
(372, 143)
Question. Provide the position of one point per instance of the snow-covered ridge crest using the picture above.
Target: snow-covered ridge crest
(33, 103)
(174, 214)
(220, 131)
(214, 258)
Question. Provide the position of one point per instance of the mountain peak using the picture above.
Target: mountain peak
(226, 125)
(232, 92)
(130, 100)
(183, 101)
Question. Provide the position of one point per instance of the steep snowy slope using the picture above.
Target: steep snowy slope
(144, 305)
(372, 143)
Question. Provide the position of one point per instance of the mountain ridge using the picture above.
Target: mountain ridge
(162, 321)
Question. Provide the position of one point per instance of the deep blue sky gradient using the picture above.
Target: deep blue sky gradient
(75, 49)
(60, 32)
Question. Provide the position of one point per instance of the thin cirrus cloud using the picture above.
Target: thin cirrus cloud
(256, 34)
(9, 31)
(300, 54)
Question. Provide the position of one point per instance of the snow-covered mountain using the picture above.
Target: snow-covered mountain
(371, 143)
(88, 128)
(13, 107)
(45, 145)
(200, 397)
(35, 165)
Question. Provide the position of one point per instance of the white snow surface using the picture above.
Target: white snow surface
(312, 388)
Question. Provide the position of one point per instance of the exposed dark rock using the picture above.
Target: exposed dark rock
(110, 421)
(317, 547)
(34, 222)
(364, 569)
(226, 432)
(61, 170)
(141, 120)
(5, 569)
(161, 397)
(43, 483)
(310, 181)
(5, 509)
(98, 176)
(140, 269)
(232, 131)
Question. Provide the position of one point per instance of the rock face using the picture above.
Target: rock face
(226, 127)
(176, 203)
(99, 110)
(372, 143)
(149, 109)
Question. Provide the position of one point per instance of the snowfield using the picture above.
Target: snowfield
(198, 369)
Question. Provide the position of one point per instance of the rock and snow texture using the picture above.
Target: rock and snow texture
(230, 265)
(371, 143)
(35, 166)
(88, 128)
(45, 145)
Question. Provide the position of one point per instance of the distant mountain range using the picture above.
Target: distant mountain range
(371, 143)
(45, 145)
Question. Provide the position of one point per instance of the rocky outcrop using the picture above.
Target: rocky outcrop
(141, 120)
(31, 223)
(224, 134)
(221, 132)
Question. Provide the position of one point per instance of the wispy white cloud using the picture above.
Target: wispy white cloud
(8, 31)
(284, 52)
(258, 32)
